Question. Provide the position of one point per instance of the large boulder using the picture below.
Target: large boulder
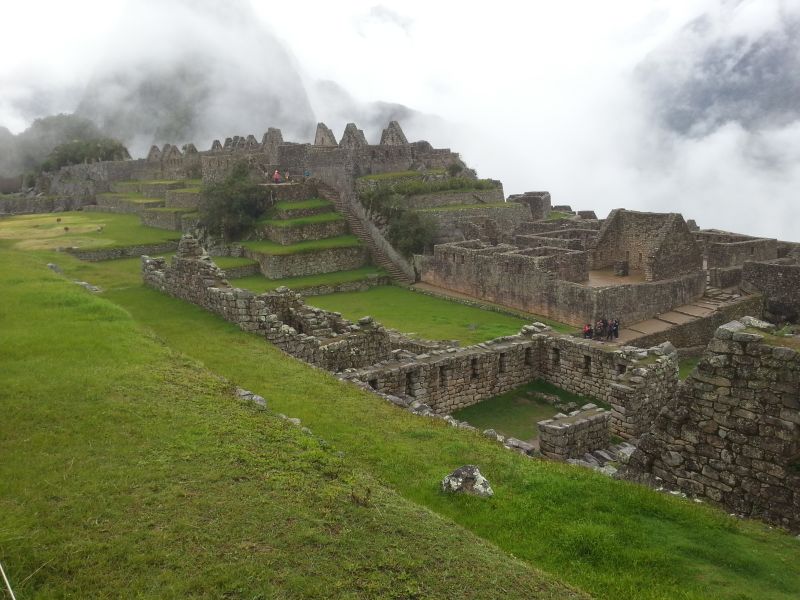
(467, 480)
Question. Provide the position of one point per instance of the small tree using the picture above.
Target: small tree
(231, 207)
(411, 233)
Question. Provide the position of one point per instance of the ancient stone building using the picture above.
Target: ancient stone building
(732, 432)
(659, 245)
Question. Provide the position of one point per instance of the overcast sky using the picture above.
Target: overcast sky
(665, 105)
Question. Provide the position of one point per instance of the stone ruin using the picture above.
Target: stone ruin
(393, 135)
(324, 136)
(353, 137)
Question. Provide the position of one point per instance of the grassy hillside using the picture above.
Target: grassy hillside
(613, 539)
(128, 470)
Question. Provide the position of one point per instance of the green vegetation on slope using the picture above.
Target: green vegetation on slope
(130, 471)
(259, 283)
(82, 230)
(268, 247)
(302, 204)
(302, 221)
(686, 366)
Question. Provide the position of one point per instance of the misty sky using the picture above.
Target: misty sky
(666, 105)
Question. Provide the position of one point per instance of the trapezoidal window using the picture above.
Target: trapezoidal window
(474, 369)
(528, 357)
(411, 380)
(503, 362)
(621, 369)
(373, 383)
(556, 357)
(587, 364)
(442, 377)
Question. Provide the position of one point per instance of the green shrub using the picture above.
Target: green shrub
(454, 169)
(411, 233)
(231, 207)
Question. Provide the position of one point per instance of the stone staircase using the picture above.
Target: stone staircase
(607, 460)
(357, 227)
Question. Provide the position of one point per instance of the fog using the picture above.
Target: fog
(688, 106)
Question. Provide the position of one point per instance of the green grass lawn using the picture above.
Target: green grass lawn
(686, 366)
(128, 466)
(311, 203)
(45, 231)
(402, 174)
(302, 221)
(134, 197)
(226, 262)
(421, 315)
(516, 412)
(614, 539)
(259, 283)
(451, 207)
(268, 247)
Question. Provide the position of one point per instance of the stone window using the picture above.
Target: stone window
(474, 366)
(442, 377)
(373, 383)
(640, 258)
(621, 369)
(587, 364)
(556, 357)
(410, 381)
(528, 356)
(503, 362)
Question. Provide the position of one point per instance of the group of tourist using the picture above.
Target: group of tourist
(602, 330)
(276, 177)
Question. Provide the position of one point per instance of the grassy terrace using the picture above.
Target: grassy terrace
(402, 174)
(450, 207)
(128, 462)
(129, 197)
(85, 230)
(259, 283)
(424, 316)
(144, 474)
(267, 247)
(302, 204)
(516, 412)
(226, 262)
(302, 221)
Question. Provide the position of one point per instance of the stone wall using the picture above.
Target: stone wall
(736, 253)
(162, 218)
(573, 435)
(661, 246)
(700, 331)
(98, 254)
(635, 383)
(731, 433)
(292, 235)
(24, 205)
(725, 277)
(454, 197)
(504, 275)
(279, 266)
(449, 222)
(538, 203)
(779, 282)
(316, 336)
(182, 198)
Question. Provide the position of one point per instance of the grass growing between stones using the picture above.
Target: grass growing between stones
(226, 262)
(82, 230)
(614, 539)
(130, 471)
(555, 215)
(259, 283)
(516, 412)
(686, 366)
(268, 247)
(421, 315)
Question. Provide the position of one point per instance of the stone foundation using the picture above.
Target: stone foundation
(573, 435)
(280, 266)
(98, 254)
